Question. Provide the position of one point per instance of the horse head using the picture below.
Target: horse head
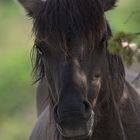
(71, 43)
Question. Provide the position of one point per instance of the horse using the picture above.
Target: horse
(82, 93)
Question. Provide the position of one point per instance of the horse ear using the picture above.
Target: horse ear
(109, 4)
(30, 5)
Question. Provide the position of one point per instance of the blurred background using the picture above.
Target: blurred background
(17, 94)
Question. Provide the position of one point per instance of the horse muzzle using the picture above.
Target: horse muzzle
(72, 124)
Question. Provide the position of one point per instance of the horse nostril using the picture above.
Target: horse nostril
(56, 114)
(72, 111)
(88, 108)
(87, 105)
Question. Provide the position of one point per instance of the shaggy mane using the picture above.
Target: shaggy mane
(60, 18)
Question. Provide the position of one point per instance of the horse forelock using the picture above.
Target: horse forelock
(57, 19)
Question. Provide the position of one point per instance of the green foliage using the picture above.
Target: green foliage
(127, 53)
(15, 67)
(16, 90)
(6, 1)
(125, 17)
(15, 83)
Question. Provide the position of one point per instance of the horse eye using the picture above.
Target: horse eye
(104, 38)
(96, 77)
(41, 47)
(40, 50)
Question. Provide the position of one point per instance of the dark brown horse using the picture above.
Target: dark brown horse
(82, 92)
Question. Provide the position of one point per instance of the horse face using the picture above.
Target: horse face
(74, 66)
(77, 80)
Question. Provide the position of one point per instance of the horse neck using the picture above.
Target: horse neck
(119, 112)
(109, 123)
